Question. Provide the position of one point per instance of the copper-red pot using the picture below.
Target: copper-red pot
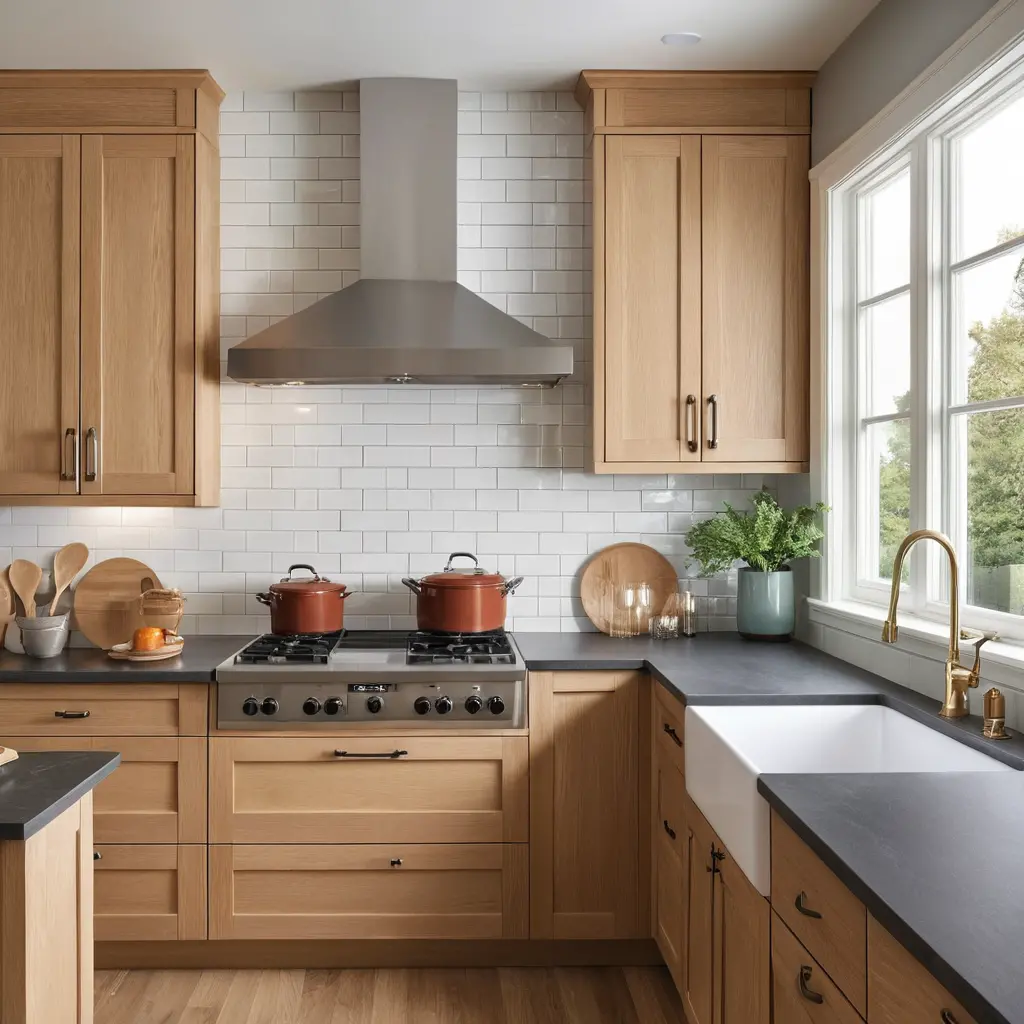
(461, 600)
(314, 605)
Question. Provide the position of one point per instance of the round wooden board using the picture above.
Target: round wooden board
(107, 607)
(628, 562)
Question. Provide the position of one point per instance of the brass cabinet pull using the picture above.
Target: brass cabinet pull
(71, 714)
(70, 464)
(691, 422)
(807, 993)
(669, 829)
(713, 417)
(92, 466)
(671, 732)
(392, 755)
(396, 862)
(803, 908)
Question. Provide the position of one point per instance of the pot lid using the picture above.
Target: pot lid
(466, 577)
(316, 584)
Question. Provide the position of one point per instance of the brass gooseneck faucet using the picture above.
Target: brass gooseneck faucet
(959, 678)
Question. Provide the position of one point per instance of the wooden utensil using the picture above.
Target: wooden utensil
(7, 606)
(25, 578)
(107, 608)
(628, 562)
(67, 564)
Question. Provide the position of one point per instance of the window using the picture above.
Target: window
(926, 362)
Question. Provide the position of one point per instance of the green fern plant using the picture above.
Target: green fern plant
(767, 539)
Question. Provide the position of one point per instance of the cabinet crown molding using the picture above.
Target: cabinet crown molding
(189, 78)
(591, 79)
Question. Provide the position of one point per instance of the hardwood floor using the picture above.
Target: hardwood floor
(529, 995)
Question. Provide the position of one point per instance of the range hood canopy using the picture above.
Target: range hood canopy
(406, 320)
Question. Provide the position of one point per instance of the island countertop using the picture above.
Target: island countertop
(38, 786)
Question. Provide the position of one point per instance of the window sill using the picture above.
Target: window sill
(1002, 660)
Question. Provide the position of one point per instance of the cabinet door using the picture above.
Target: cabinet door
(670, 845)
(138, 330)
(652, 346)
(699, 966)
(756, 281)
(584, 797)
(39, 292)
(742, 947)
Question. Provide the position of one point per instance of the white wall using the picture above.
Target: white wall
(370, 484)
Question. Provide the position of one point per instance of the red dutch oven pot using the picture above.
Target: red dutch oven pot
(314, 605)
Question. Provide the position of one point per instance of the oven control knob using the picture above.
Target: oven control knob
(311, 705)
(473, 704)
(421, 705)
(333, 705)
(269, 706)
(443, 705)
(250, 706)
(496, 705)
(374, 705)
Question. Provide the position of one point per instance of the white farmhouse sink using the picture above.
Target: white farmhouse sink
(727, 748)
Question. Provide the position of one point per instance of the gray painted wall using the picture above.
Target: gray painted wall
(882, 56)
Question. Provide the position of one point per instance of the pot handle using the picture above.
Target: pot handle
(264, 599)
(413, 585)
(510, 586)
(303, 565)
(460, 554)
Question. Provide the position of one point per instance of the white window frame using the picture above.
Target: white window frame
(982, 70)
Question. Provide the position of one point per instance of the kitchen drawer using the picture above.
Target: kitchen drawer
(671, 805)
(157, 795)
(823, 914)
(670, 843)
(472, 789)
(668, 726)
(396, 891)
(901, 990)
(149, 892)
(802, 993)
(114, 709)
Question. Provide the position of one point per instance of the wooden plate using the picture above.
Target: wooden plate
(107, 608)
(628, 562)
(124, 652)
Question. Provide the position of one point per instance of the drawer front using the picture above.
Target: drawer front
(369, 892)
(671, 806)
(802, 993)
(668, 727)
(103, 709)
(440, 790)
(157, 795)
(901, 990)
(149, 892)
(823, 914)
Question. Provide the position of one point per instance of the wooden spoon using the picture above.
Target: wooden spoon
(25, 578)
(67, 564)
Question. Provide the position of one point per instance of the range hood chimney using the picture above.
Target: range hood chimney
(406, 320)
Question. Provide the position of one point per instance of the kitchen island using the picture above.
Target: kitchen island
(46, 853)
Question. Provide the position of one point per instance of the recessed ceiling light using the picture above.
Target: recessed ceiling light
(681, 38)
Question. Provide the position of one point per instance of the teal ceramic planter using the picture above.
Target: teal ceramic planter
(765, 609)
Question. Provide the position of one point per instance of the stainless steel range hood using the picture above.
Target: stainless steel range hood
(406, 320)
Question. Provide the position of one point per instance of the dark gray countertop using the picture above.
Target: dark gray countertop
(39, 786)
(937, 860)
(195, 664)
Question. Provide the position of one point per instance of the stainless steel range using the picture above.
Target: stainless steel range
(373, 677)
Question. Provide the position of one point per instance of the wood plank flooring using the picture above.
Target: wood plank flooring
(529, 995)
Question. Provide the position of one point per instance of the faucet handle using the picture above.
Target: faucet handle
(978, 637)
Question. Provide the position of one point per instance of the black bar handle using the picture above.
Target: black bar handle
(396, 862)
(394, 755)
(671, 732)
(96, 855)
(669, 829)
(809, 994)
(803, 908)
(71, 714)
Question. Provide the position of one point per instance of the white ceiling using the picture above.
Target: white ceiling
(488, 44)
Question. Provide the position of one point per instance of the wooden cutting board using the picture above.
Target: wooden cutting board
(107, 607)
(628, 562)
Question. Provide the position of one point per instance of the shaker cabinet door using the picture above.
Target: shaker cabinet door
(138, 329)
(39, 295)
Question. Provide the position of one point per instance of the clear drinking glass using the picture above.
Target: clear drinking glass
(631, 609)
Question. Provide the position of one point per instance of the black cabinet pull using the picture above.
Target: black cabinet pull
(809, 994)
(96, 855)
(393, 755)
(675, 736)
(669, 829)
(71, 714)
(947, 1017)
(716, 858)
(805, 910)
(396, 862)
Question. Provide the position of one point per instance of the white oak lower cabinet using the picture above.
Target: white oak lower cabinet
(436, 891)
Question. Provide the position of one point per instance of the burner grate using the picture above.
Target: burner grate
(493, 648)
(298, 648)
